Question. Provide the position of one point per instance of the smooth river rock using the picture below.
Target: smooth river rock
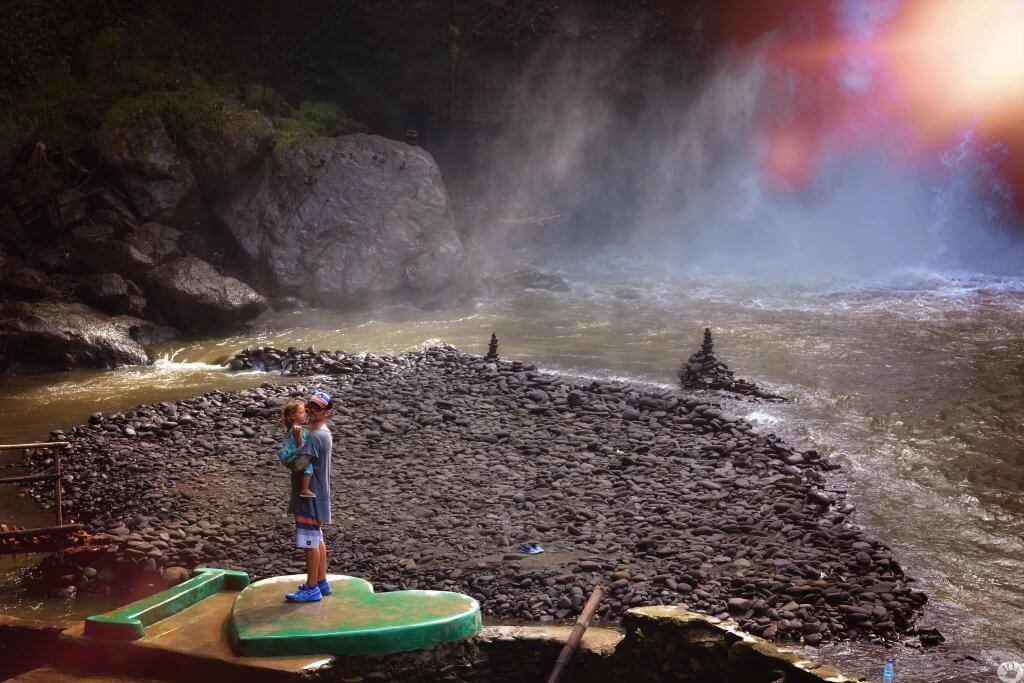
(196, 298)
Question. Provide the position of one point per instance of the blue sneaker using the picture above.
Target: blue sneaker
(325, 588)
(305, 594)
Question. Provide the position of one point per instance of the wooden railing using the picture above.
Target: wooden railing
(59, 528)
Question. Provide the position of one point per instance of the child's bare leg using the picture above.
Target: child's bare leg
(306, 479)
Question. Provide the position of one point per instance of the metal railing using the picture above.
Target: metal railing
(60, 528)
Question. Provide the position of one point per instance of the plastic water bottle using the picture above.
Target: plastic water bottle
(889, 671)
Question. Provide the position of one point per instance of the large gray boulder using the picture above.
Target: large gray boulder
(155, 175)
(112, 293)
(195, 297)
(341, 221)
(62, 336)
(113, 256)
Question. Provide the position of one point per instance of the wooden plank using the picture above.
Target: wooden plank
(28, 533)
(28, 478)
(42, 444)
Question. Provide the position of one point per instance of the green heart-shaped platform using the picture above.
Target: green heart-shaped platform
(353, 620)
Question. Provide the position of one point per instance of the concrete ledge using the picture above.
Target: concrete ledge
(686, 646)
(658, 644)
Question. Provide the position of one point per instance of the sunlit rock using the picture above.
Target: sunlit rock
(195, 297)
(67, 335)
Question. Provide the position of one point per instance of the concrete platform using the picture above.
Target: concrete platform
(195, 639)
(352, 621)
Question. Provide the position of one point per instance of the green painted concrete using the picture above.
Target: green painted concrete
(130, 622)
(352, 621)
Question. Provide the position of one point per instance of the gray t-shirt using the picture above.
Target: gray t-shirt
(318, 447)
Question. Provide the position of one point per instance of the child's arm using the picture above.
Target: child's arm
(297, 435)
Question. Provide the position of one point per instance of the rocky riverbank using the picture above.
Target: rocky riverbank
(446, 463)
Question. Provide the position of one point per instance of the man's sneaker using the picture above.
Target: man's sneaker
(305, 594)
(325, 588)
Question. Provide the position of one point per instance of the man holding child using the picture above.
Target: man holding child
(312, 512)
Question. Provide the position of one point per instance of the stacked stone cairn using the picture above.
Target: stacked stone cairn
(492, 348)
(704, 371)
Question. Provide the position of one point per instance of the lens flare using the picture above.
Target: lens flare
(960, 61)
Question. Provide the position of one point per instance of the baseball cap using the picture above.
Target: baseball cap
(322, 399)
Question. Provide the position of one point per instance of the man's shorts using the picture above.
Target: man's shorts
(307, 532)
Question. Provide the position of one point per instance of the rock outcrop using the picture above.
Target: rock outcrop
(348, 221)
(68, 335)
(155, 174)
(111, 292)
(196, 298)
(343, 221)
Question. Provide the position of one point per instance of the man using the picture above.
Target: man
(312, 513)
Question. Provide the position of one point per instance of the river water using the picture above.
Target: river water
(914, 381)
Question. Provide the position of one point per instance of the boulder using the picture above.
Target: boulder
(69, 208)
(26, 283)
(156, 241)
(110, 207)
(113, 256)
(62, 258)
(97, 231)
(111, 292)
(155, 175)
(195, 297)
(67, 335)
(342, 220)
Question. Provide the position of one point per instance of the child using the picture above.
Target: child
(293, 415)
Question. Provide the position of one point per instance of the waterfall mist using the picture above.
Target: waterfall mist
(736, 166)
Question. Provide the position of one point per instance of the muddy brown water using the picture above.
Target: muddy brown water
(914, 382)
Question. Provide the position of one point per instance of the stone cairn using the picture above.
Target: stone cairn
(492, 348)
(704, 371)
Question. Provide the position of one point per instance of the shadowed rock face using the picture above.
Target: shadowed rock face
(67, 335)
(156, 176)
(195, 297)
(344, 220)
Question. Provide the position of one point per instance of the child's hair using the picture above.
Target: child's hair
(288, 413)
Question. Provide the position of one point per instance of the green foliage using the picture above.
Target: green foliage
(211, 115)
(28, 45)
(105, 51)
(265, 99)
(311, 119)
(194, 114)
(100, 72)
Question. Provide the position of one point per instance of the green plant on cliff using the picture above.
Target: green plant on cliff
(195, 113)
(311, 119)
